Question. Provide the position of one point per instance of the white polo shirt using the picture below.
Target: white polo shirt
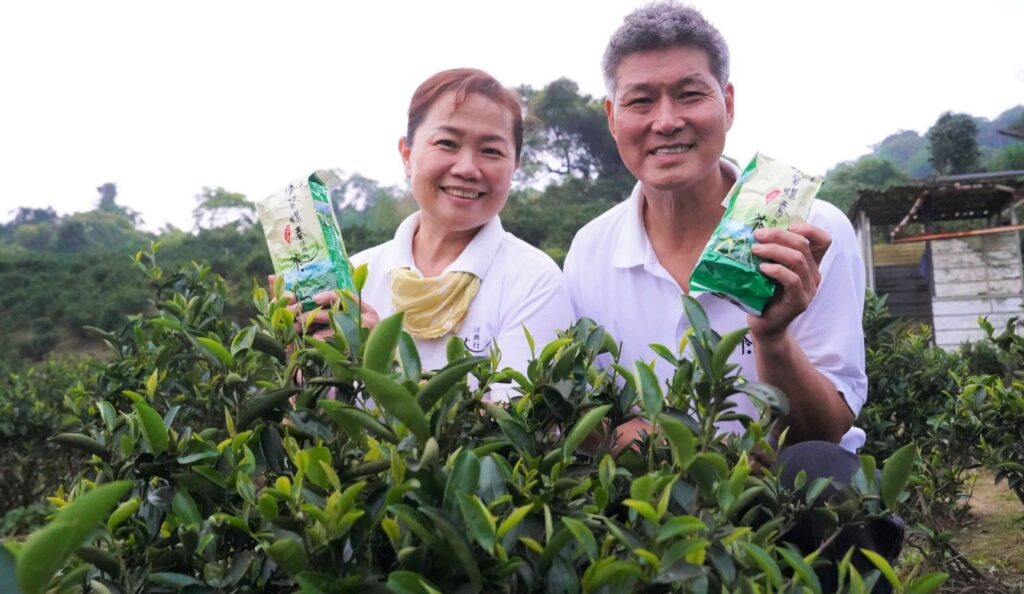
(615, 278)
(519, 286)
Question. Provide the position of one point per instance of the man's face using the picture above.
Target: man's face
(669, 117)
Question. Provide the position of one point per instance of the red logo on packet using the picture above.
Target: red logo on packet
(288, 234)
(771, 196)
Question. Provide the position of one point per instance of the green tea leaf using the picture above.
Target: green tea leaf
(444, 380)
(513, 519)
(481, 524)
(215, 348)
(927, 584)
(82, 442)
(243, 340)
(896, 472)
(801, 568)
(455, 543)
(681, 526)
(518, 436)
(583, 535)
(665, 354)
(263, 405)
(186, 509)
(289, 554)
(407, 582)
(108, 413)
(643, 508)
(152, 428)
(308, 461)
(330, 354)
(174, 580)
(650, 389)
(455, 349)
(343, 414)
(883, 566)
(551, 348)
(379, 355)
(695, 314)
(608, 572)
(584, 427)
(47, 549)
(397, 401)
(765, 562)
(122, 513)
(415, 522)
(766, 394)
(410, 357)
(266, 344)
(684, 444)
(359, 276)
(101, 559)
(465, 475)
(152, 382)
(724, 348)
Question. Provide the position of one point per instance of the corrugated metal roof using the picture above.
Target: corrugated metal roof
(950, 198)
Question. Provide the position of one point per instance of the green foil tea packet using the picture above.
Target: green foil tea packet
(304, 238)
(767, 194)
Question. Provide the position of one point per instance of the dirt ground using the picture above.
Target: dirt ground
(993, 540)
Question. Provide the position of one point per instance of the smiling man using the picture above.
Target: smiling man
(670, 105)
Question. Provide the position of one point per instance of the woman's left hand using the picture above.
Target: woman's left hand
(791, 257)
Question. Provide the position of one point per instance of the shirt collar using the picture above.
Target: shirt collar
(634, 247)
(475, 259)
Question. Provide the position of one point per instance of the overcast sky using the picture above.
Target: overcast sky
(164, 99)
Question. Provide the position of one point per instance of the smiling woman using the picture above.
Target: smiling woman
(451, 267)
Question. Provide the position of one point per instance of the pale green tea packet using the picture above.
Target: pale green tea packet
(304, 238)
(768, 193)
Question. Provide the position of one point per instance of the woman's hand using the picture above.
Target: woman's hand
(325, 299)
(791, 257)
(321, 318)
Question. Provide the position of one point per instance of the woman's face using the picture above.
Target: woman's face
(460, 162)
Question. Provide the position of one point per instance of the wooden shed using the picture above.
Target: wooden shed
(946, 250)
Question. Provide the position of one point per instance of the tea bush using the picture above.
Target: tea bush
(214, 468)
(32, 408)
(960, 419)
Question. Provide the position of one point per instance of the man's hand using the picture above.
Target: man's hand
(625, 435)
(791, 257)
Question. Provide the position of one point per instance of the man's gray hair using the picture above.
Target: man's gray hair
(663, 25)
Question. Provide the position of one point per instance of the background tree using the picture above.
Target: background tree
(907, 151)
(1010, 158)
(108, 203)
(569, 134)
(218, 207)
(953, 144)
(844, 181)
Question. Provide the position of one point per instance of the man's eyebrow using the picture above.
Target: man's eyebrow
(695, 78)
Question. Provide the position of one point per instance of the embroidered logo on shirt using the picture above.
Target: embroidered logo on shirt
(746, 346)
(474, 344)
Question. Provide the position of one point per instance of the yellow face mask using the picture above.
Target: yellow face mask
(433, 306)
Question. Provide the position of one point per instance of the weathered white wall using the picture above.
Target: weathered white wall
(974, 276)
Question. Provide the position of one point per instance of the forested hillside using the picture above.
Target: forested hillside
(62, 274)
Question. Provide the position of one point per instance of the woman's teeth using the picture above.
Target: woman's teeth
(461, 193)
(672, 150)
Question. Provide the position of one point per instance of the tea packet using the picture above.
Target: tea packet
(768, 193)
(304, 237)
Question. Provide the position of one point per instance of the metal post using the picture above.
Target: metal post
(866, 248)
